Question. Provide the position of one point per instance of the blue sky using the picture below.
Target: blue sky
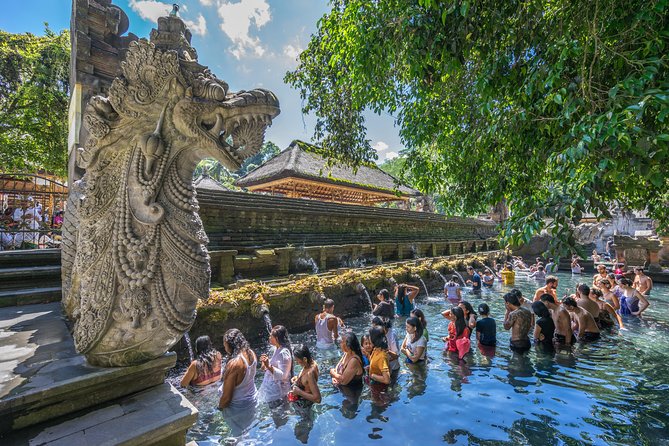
(247, 43)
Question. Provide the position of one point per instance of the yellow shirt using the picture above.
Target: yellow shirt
(508, 277)
(378, 362)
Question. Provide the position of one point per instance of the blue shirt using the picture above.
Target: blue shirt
(488, 331)
(404, 306)
(476, 282)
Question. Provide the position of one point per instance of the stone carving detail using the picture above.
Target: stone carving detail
(139, 260)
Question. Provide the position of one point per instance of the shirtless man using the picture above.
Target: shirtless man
(582, 321)
(601, 274)
(642, 282)
(550, 288)
(583, 301)
(563, 332)
(519, 320)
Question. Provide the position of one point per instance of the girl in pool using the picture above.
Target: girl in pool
(453, 291)
(421, 317)
(414, 346)
(305, 389)
(608, 295)
(632, 302)
(404, 298)
(379, 368)
(391, 342)
(457, 328)
(206, 367)
(278, 369)
(349, 369)
(470, 314)
(366, 347)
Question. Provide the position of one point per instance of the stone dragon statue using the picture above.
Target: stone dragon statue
(134, 257)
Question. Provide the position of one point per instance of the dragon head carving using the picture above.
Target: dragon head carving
(134, 257)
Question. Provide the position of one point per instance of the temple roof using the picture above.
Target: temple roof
(300, 165)
(204, 181)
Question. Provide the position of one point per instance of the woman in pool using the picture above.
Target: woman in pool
(278, 369)
(391, 342)
(349, 369)
(414, 346)
(457, 328)
(379, 368)
(453, 291)
(305, 389)
(206, 367)
(608, 295)
(404, 298)
(366, 347)
(544, 328)
(607, 314)
(421, 317)
(632, 302)
(239, 395)
(470, 314)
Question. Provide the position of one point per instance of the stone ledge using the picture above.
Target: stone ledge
(157, 416)
(42, 376)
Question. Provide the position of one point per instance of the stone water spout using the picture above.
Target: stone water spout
(134, 256)
(362, 289)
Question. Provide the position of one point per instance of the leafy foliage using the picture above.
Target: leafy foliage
(219, 173)
(557, 107)
(34, 88)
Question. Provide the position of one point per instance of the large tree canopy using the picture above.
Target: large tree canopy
(558, 107)
(34, 89)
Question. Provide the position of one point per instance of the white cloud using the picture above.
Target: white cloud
(236, 21)
(206, 2)
(199, 27)
(292, 51)
(151, 10)
(380, 146)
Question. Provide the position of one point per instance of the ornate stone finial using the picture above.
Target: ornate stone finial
(175, 10)
(135, 260)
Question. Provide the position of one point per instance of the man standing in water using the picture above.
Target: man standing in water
(475, 281)
(583, 300)
(551, 266)
(563, 333)
(601, 275)
(642, 282)
(584, 323)
(550, 288)
(327, 326)
(519, 320)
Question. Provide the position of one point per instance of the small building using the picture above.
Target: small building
(301, 172)
(206, 182)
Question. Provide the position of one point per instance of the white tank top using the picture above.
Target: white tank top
(323, 334)
(245, 393)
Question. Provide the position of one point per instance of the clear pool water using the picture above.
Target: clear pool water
(610, 392)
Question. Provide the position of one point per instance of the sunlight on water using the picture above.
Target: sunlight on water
(613, 391)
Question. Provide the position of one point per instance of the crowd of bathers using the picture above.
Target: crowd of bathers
(374, 358)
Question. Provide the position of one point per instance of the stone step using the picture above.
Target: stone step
(160, 415)
(28, 276)
(26, 296)
(29, 257)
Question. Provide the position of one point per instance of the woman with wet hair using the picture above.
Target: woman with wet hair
(278, 369)
(417, 312)
(470, 314)
(392, 345)
(239, 395)
(404, 299)
(305, 389)
(206, 367)
(608, 295)
(414, 346)
(631, 302)
(457, 328)
(349, 369)
(544, 328)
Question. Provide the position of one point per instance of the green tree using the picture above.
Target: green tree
(269, 150)
(558, 107)
(219, 173)
(34, 88)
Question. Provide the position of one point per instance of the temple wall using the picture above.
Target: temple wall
(257, 235)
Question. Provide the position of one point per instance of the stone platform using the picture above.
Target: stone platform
(50, 395)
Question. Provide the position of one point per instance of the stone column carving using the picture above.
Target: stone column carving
(137, 260)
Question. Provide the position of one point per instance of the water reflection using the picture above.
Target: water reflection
(609, 392)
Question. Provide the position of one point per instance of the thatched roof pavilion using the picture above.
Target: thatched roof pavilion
(300, 172)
